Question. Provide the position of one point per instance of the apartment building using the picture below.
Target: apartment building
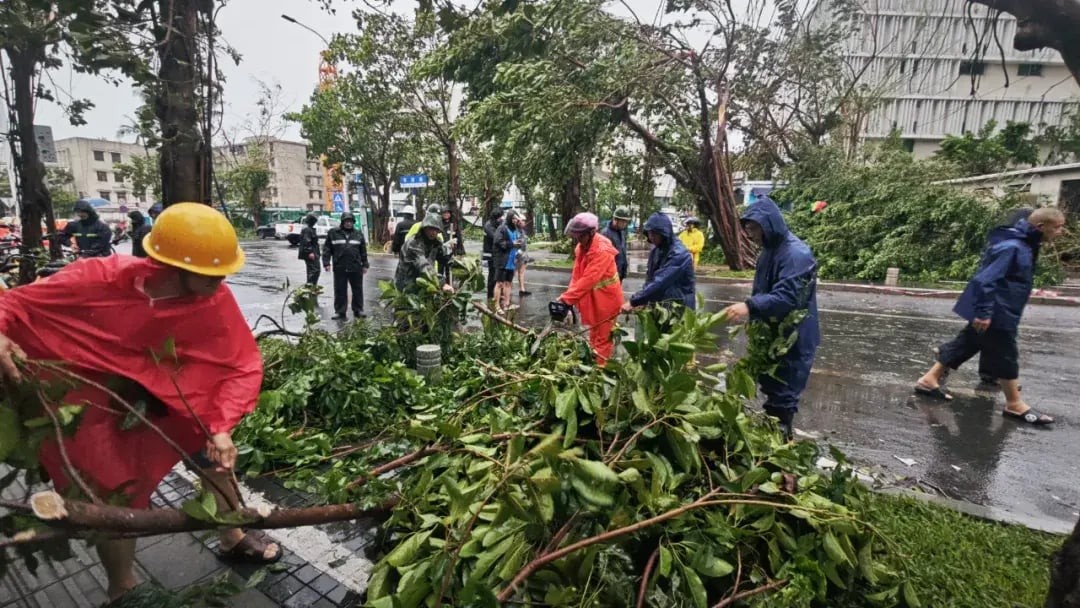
(939, 70)
(92, 163)
(296, 179)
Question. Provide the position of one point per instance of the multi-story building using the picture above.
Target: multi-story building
(940, 70)
(296, 179)
(92, 163)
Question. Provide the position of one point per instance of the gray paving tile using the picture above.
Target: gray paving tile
(178, 561)
(252, 598)
(305, 598)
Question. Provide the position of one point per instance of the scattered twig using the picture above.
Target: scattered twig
(395, 464)
(755, 591)
(72, 472)
(487, 312)
(644, 587)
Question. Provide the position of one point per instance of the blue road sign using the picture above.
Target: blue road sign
(339, 202)
(357, 178)
(413, 181)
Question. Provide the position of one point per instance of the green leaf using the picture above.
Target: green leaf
(407, 550)
(10, 431)
(665, 562)
(714, 567)
(564, 403)
(595, 471)
(910, 598)
(695, 588)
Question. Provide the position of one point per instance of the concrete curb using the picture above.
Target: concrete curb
(940, 294)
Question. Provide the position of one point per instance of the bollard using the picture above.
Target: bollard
(429, 362)
(892, 277)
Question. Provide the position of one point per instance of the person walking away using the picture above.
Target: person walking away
(346, 247)
(992, 304)
(421, 255)
(405, 224)
(785, 281)
(92, 236)
(521, 264)
(507, 243)
(594, 287)
(615, 231)
(490, 228)
(139, 230)
(100, 318)
(669, 278)
(309, 248)
(986, 377)
(693, 238)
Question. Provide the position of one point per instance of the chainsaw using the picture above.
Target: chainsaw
(561, 316)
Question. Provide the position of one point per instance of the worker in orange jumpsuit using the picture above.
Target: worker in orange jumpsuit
(164, 330)
(594, 284)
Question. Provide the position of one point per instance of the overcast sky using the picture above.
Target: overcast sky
(273, 50)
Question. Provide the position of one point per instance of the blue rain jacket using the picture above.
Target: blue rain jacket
(785, 281)
(1000, 289)
(670, 276)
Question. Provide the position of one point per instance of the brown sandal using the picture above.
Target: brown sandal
(251, 549)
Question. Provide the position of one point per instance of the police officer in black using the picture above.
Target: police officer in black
(309, 249)
(346, 247)
(92, 236)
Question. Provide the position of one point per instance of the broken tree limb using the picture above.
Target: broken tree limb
(52, 508)
(487, 312)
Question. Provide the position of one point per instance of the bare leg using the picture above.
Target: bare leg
(118, 559)
(521, 278)
(229, 537)
(932, 379)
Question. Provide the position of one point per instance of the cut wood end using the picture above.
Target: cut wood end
(24, 536)
(48, 506)
(264, 511)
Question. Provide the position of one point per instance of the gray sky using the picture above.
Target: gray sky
(273, 50)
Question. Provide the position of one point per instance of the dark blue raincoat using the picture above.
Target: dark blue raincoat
(670, 276)
(785, 281)
(1000, 289)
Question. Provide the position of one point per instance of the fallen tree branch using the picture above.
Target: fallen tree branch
(645, 577)
(487, 311)
(52, 508)
(394, 464)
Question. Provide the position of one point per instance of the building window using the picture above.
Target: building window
(99, 155)
(972, 68)
(909, 145)
(102, 176)
(1029, 69)
(116, 157)
(313, 194)
(121, 197)
(104, 194)
(118, 177)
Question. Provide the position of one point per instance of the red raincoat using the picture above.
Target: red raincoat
(596, 291)
(94, 316)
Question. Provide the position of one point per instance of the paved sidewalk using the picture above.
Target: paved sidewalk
(180, 560)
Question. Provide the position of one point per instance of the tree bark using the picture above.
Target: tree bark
(52, 508)
(36, 201)
(454, 177)
(380, 232)
(570, 198)
(1045, 24)
(183, 174)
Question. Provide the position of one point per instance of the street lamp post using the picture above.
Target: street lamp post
(327, 76)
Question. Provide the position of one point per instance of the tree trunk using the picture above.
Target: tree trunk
(570, 199)
(183, 175)
(380, 231)
(454, 178)
(1065, 574)
(530, 212)
(1045, 24)
(36, 202)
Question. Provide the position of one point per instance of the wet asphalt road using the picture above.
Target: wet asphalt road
(873, 349)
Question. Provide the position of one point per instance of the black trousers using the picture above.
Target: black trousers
(342, 281)
(999, 354)
(491, 274)
(313, 271)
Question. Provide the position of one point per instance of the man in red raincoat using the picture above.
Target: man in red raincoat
(166, 326)
(594, 284)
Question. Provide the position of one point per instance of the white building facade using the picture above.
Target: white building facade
(925, 57)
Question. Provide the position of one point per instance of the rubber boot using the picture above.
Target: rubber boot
(785, 419)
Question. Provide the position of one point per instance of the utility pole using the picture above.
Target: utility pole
(327, 76)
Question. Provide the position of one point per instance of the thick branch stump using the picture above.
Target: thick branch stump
(53, 508)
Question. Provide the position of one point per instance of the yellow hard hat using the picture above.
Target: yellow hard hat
(196, 238)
